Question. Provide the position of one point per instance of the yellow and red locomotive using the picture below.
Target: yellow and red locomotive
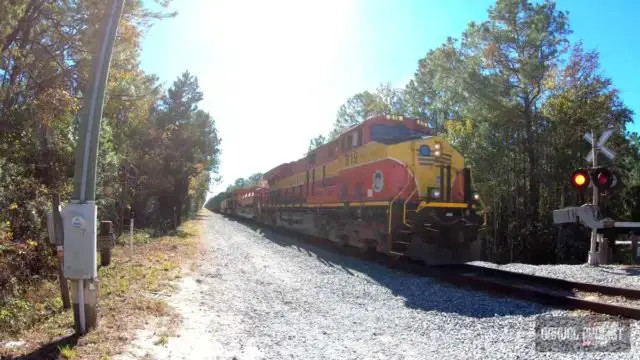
(387, 184)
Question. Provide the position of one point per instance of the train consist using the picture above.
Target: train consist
(387, 184)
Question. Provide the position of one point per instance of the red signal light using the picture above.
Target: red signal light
(580, 179)
(604, 179)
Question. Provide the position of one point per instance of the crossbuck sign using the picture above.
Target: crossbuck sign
(600, 146)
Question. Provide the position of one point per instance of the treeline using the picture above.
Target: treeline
(157, 153)
(515, 97)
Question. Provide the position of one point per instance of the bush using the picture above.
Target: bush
(21, 265)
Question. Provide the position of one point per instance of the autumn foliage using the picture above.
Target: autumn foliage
(157, 151)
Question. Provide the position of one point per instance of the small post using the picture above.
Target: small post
(64, 285)
(634, 248)
(603, 250)
(58, 247)
(82, 310)
(106, 242)
(131, 235)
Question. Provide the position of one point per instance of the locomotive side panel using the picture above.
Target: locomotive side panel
(375, 181)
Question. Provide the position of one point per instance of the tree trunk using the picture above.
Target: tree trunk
(166, 210)
(534, 182)
(178, 212)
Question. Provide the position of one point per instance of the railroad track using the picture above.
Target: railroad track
(553, 292)
(548, 291)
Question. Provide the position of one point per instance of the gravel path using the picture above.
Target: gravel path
(266, 296)
(612, 275)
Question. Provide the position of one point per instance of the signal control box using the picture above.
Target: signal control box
(80, 240)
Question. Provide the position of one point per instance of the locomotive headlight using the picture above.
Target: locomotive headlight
(476, 196)
(437, 146)
(435, 193)
(437, 153)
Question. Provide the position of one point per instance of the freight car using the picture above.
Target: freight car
(388, 184)
(226, 205)
(246, 201)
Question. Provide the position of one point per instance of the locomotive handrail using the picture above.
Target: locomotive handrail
(396, 198)
(404, 211)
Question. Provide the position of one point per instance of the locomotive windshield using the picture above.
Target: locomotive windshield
(392, 134)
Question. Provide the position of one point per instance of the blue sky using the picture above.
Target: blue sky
(275, 72)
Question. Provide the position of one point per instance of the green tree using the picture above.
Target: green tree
(361, 106)
(520, 44)
(437, 91)
(253, 180)
(215, 201)
(316, 142)
(239, 183)
(508, 102)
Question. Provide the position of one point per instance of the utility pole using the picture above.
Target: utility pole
(80, 216)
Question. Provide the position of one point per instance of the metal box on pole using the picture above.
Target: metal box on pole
(79, 223)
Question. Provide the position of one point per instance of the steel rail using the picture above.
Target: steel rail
(550, 281)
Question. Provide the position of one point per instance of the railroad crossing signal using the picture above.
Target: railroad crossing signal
(600, 145)
(600, 178)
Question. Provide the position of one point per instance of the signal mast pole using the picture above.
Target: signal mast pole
(593, 256)
(598, 146)
(596, 194)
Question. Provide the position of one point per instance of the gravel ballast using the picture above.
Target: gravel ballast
(611, 275)
(261, 295)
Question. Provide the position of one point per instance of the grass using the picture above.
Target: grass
(41, 302)
(129, 289)
(67, 352)
(163, 340)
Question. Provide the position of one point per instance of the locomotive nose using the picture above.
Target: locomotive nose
(431, 161)
(431, 152)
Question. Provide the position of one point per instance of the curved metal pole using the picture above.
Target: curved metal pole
(84, 192)
(91, 116)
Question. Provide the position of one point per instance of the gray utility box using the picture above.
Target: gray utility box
(80, 241)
